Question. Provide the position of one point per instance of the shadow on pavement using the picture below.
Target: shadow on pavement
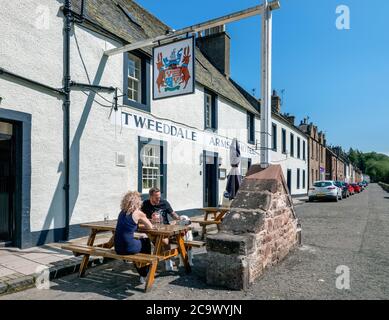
(119, 280)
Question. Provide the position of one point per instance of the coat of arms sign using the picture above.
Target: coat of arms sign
(173, 69)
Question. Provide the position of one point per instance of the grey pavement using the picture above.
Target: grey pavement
(352, 233)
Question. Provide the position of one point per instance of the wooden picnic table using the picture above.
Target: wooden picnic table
(218, 215)
(174, 232)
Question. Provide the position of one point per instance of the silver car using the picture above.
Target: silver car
(325, 190)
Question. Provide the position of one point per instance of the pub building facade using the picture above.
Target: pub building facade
(179, 144)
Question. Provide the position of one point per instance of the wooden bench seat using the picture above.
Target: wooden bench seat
(140, 259)
(195, 244)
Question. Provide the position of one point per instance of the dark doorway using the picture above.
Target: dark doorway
(7, 180)
(211, 179)
(289, 180)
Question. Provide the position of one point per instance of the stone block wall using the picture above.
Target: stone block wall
(258, 232)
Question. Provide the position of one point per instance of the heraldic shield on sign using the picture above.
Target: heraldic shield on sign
(173, 69)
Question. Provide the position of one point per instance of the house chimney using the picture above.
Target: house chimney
(276, 102)
(291, 119)
(215, 45)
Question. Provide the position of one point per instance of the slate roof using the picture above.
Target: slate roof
(256, 103)
(111, 15)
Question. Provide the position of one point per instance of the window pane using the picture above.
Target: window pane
(208, 111)
(151, 167)
(134, 78)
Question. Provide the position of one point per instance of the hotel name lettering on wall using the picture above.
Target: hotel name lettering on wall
(145, 124)
(140, 122)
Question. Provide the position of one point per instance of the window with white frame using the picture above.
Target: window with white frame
(134, 78)
(208, 111)
(151, 167)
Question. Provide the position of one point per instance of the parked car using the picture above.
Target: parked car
(343, 186)
(351, 190)
(356, 187)
(325, 190)
(362, 186)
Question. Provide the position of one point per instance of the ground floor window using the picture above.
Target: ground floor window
(152, 165)
(298, 178)
(303, 179)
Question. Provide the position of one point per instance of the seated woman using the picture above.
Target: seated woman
(128, 220)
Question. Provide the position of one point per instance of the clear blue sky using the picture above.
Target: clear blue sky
(340, 79)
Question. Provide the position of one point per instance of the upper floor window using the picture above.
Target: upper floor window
(304, 153)
(134, 79)
(292, 145)
(313, 150)
(283, 141)
(298, 148)
(210, 111)
(251, 127)
(274, 137)
(137, 81)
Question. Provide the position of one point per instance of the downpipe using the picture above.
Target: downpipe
(66, 110)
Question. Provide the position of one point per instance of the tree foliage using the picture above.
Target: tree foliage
(374, 164)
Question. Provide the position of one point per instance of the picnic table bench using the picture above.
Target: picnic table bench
(218, 215)
(173, 232)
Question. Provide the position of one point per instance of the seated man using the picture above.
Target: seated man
(155, 206)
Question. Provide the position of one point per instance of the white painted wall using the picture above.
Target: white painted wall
(97, 184)
(286, 160)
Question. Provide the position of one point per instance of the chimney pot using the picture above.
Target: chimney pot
(215, 45)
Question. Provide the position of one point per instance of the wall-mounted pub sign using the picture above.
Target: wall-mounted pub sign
(174, 69)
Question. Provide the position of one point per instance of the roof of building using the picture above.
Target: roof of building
(256, 103)
(130, 22)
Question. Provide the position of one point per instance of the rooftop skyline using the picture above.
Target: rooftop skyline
(337, 78)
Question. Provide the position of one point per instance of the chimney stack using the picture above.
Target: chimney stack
(215, 45)
(276, 102)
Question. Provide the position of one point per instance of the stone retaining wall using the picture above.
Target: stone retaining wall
(258, 232)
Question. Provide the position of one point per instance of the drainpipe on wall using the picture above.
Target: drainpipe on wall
(66, 107)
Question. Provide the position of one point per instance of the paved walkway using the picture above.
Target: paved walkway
(352, 233)
(19, 268)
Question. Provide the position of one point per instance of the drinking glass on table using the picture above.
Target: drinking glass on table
(157, 218)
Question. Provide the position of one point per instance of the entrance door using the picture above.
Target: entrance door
(7, 180)
(289, 180)
(211, 179)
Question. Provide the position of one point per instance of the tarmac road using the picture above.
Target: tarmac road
(353, 233)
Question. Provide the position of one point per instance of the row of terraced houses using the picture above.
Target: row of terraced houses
(46, 192)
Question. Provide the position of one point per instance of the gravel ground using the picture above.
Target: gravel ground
(352, 233)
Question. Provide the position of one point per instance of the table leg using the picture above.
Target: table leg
(85, 259)
(204, 231)
(158, 245)
(110, 244)
(183, 253)
(151, 275)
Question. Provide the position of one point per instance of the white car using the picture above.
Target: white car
(325, 190)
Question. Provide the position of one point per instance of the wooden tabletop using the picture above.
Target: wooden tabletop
(215, 209)
(164, 229)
